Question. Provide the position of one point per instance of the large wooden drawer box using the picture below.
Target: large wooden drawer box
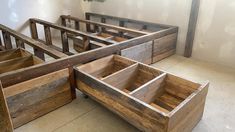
(149, 99)
(36, 97)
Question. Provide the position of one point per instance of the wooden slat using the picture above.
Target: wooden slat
(77, 25)
(33, 43)
(19, 43)
(47, 31)
(70, 31)
(65, 41)
(104, 25)
(7, 40)
(5, 119)
(15, 64)
(148, 91)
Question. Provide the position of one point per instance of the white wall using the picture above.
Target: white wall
(215, 34)
(15, 13)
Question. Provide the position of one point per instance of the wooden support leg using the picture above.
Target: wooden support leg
(19, 43)
(48, 35)
(5, 120)
(86, 43)
(7, 40)
(65, 42)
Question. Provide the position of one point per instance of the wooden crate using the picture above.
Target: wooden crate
(149, 99)
(15, 59)
(31, 99)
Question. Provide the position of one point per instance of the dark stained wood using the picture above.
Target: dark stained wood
(7, 40)
(35, 44)
(47, 31)
(88, 26)
(39, 53)
(5, 119)
(65, 41)
(77, 25)
(33, 29)
(192, 28)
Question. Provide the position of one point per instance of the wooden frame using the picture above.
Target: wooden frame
(64, 77)
(29, 99)
(155, 50)
(147, 98)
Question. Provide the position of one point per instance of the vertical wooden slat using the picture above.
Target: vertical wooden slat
(103, 20)
(88, 26)
(5, 120)
(0, 40)
(33, 30)
(34, 35)
(65, 42)
(19, 43)
(96, 28)
(7, 40)
(191, 28)
(47, 31)
(77, 25)
(63, 22)
(86, 43)
(121, 24)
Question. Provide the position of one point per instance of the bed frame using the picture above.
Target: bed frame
(62, 76)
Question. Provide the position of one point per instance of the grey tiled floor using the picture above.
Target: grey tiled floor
(85, 115)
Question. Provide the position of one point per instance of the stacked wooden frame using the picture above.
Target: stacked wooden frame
(59, 78)
(25, 100)
(126, 29)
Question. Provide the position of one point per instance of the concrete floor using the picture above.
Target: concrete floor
(85, 115)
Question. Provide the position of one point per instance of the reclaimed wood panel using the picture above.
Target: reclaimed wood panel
(5, 119)
(141, 53)
(164, 47)
(36, 97)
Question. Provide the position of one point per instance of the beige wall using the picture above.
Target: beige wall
(15, 13)
(173, 12)
(215, 35)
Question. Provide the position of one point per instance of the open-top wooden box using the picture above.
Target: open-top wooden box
(150, 99)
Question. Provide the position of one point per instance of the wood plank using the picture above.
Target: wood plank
(19, 43)
(148, 91)
(10, 54)
(77, 25)
(7, 40)
(192, 28)
(14, 64)
(65, 41)
(5, 119)
(141, 53)
(47, 32)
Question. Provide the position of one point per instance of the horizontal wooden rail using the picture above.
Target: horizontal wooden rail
(23, 39)
(136, 32)
(126, 20)
(12, 78)
(69, 30)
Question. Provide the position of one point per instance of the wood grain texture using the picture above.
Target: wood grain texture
(156, 104)
(5, 119)
(191, 28)
(141, 53)
(36, 97)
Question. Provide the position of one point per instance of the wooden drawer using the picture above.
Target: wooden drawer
(36, 97)
(149, 99)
